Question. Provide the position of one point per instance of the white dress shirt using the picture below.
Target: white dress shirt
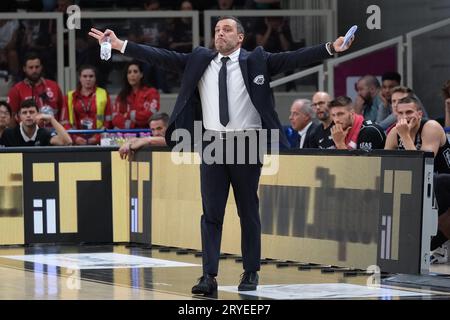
(302, 134)
(242, 112)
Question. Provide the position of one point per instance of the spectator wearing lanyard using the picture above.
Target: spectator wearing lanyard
(45, 92)
(88, 108)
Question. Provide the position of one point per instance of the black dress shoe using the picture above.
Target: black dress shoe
(249, 281)
(206, 285)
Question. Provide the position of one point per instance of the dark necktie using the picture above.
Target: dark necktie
(223, 97)
(299, 143)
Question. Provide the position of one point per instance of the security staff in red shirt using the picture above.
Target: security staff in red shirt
(45, 92)
(136, 103)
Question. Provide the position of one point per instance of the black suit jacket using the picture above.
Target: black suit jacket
(294, 138)
(257, 69)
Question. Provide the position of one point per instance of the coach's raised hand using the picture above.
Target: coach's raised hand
(116, 43)
(339, 42)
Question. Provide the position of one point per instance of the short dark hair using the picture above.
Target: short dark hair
(411, 99)
(160, 116)
(391, 75)
(341, 101)
(32, 55)
(7, 106)
(28, 103)
(240, 26)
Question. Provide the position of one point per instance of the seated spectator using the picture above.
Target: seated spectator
(45, 92)
(9, 59)
(29, 134)
(39, 35)
(158, 125)
(398, 93)
(154, 32)
(368, 101)
(351, 131)
(412, 132)
(136, 102)
(263, 4)
(321, 137)
(389, 81)
(275, 35)
(88, 108)
(181, 30)
(5, 116)
(301, 118)
(224, 5)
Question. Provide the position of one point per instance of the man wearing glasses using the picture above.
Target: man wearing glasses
(321, 137)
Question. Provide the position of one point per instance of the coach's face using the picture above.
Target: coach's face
(227, 39)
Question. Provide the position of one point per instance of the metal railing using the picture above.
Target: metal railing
(304, 73)
(58, 17)
(66, 78)
(398, 42)
(194, 15)
(329, 34)
(327, 14)
(409, 46)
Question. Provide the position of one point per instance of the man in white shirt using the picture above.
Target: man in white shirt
(228, 88)
(302, 124)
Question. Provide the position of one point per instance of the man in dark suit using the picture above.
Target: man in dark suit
(302, 124)
(228, 88)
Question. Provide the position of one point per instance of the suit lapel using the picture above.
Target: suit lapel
(243, 55)
(205, 63)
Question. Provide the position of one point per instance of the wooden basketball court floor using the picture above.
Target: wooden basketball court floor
(26, 280)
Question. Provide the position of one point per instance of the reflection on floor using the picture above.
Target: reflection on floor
(123, 272)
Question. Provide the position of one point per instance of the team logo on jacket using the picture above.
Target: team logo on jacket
(50, 93)
(259, 80)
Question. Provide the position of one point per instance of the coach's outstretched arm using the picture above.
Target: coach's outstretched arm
(167, 59)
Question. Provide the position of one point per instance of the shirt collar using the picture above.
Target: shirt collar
(24, 135)
(234, 57)
(303, 131)
(28, 82)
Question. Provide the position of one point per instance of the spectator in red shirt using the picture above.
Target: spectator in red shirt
(45, 92)
(136, 102)
(88, 107)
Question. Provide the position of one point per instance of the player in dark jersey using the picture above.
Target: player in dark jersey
(350, 130)
(28, 133)
(414, 133)
(321, 136)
